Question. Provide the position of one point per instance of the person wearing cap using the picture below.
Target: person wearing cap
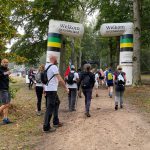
(72, 86)
(119, 80)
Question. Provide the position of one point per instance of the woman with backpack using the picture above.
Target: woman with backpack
(119, 80)
(39, 88)
(87, 81)
(101, 76)
(72, 80)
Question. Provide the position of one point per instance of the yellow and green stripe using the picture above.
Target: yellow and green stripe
(54, 42)
(126, 42)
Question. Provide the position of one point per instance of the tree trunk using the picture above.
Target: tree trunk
(137, 44)
(80, 58)
(72, 52)
(110, 52)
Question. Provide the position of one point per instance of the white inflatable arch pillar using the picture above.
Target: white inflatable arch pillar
(55, 32)
(125, 31)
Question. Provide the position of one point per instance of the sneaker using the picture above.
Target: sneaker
(6, 121)
(58, 125)
(50, 130)
(116, 107)
(38, 113)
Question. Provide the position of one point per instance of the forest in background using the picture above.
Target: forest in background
(33, 18)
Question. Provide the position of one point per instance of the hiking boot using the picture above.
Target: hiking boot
(50, 130)
(97, 95)
(116, 107)
(88, 114)
(72, 109)
(6, 121)
(58, 125)
(80, 96)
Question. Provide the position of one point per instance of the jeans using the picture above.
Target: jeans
(52, 102)
(88, 95)
(72, 98)
(39, 92)
(119, 97)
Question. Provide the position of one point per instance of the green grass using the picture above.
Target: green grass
(27, 127)
(26, 130)
(140, 97)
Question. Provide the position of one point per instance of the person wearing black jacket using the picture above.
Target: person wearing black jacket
(87, 80)
(4, 90)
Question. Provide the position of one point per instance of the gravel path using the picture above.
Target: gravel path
(106, 129)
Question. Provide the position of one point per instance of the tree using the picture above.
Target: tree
(34, 17)
(137, 43)
(116, 11)
(7, 30)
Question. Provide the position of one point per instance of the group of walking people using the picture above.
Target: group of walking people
(75, 82)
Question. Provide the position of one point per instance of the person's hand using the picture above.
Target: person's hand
(44, 93)
(67, 90)
(7, 73)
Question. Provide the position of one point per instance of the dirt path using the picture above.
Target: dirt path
(107, 129)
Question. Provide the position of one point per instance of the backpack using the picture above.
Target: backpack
(44, 77)
(70, 78)
(30, 75)
(120, 79)
(85, 83)
(109, 76)
(38, 78)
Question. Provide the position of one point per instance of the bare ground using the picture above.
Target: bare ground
(125, 129)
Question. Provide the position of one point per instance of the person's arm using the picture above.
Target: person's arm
(114, 78)
(77, 77)
(80, 79)
(125, 78)
(58, 76)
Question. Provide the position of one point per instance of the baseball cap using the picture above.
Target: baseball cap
(72, 67)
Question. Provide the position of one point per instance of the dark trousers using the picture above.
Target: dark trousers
(88, 95)
(72, 98)
(39, 92)
(30, 83)
(52, 103)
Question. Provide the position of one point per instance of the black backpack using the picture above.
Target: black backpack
(86, 82)
(70, 78)
(44, 78)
